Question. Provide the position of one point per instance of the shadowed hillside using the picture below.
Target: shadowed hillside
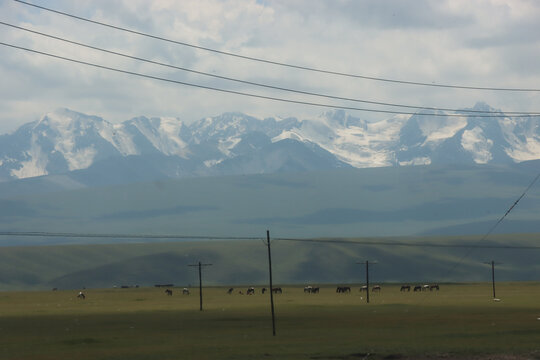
(245, 262)
(399, 201)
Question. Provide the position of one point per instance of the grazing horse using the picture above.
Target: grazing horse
(263, 290)
(315, 290)
(363, 288)
(308, 289)
(405, 288)
(230, 291)
(277, 290)
(425, 287)
(81, 295)
(417, 288)
(185, 291)
(168, 292)
(250, 291)
(434, 287)
(376, 288)
(343, 289)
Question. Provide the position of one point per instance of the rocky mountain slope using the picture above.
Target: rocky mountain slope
(233, 143)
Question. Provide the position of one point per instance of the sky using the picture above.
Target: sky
(481, 43)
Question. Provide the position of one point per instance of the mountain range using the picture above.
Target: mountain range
(96, 151)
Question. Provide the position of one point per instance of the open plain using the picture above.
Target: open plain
(461, 321)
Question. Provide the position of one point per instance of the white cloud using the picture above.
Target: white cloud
(483, 43)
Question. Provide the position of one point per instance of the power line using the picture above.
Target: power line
(511, 208)
(407, 244)
(123, 236)
(264, 85)
(212, 237)
(490, 231)
(299, 67)
(250, 94)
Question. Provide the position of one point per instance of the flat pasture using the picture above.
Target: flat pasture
(460, 321)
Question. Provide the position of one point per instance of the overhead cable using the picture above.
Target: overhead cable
(511, 208)
(476, 244)
(299, 67)
(407, 244)
(213, 237)
(265, 85)
(253, 95)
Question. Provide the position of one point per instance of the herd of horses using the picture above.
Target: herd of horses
(307, 289)
(416, 288)
(251, 291)
(340, 289)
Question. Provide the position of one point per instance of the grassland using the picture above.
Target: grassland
(459, 321)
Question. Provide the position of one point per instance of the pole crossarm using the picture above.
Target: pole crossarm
(367, 263)
(200, 265)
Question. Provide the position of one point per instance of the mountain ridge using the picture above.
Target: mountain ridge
(233, 143)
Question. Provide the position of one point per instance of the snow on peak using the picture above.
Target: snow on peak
(36, 163)
(438, 128)
(67, 140)
(163, 133)
(477, 144)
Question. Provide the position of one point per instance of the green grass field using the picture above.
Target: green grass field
(459, 321)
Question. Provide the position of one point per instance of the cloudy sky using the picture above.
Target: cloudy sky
(481, 43)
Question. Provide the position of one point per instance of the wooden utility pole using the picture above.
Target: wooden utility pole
(200, 281)
(492, 263)
(271, 285)
(367, 277)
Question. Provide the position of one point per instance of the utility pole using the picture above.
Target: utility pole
(271, 285)
(492, 263)
(200, 281)
(367, 277)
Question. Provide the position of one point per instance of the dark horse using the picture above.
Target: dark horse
(405, 288)
(230, 291)
(277, 290)
(81, 295)
(434, 287)
(168, 292)
(250, 291)
(343, 289)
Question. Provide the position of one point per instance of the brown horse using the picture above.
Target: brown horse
(343, 289)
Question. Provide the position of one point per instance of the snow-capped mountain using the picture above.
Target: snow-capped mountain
(64, 141)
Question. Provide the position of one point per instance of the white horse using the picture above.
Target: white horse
(185, 291)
